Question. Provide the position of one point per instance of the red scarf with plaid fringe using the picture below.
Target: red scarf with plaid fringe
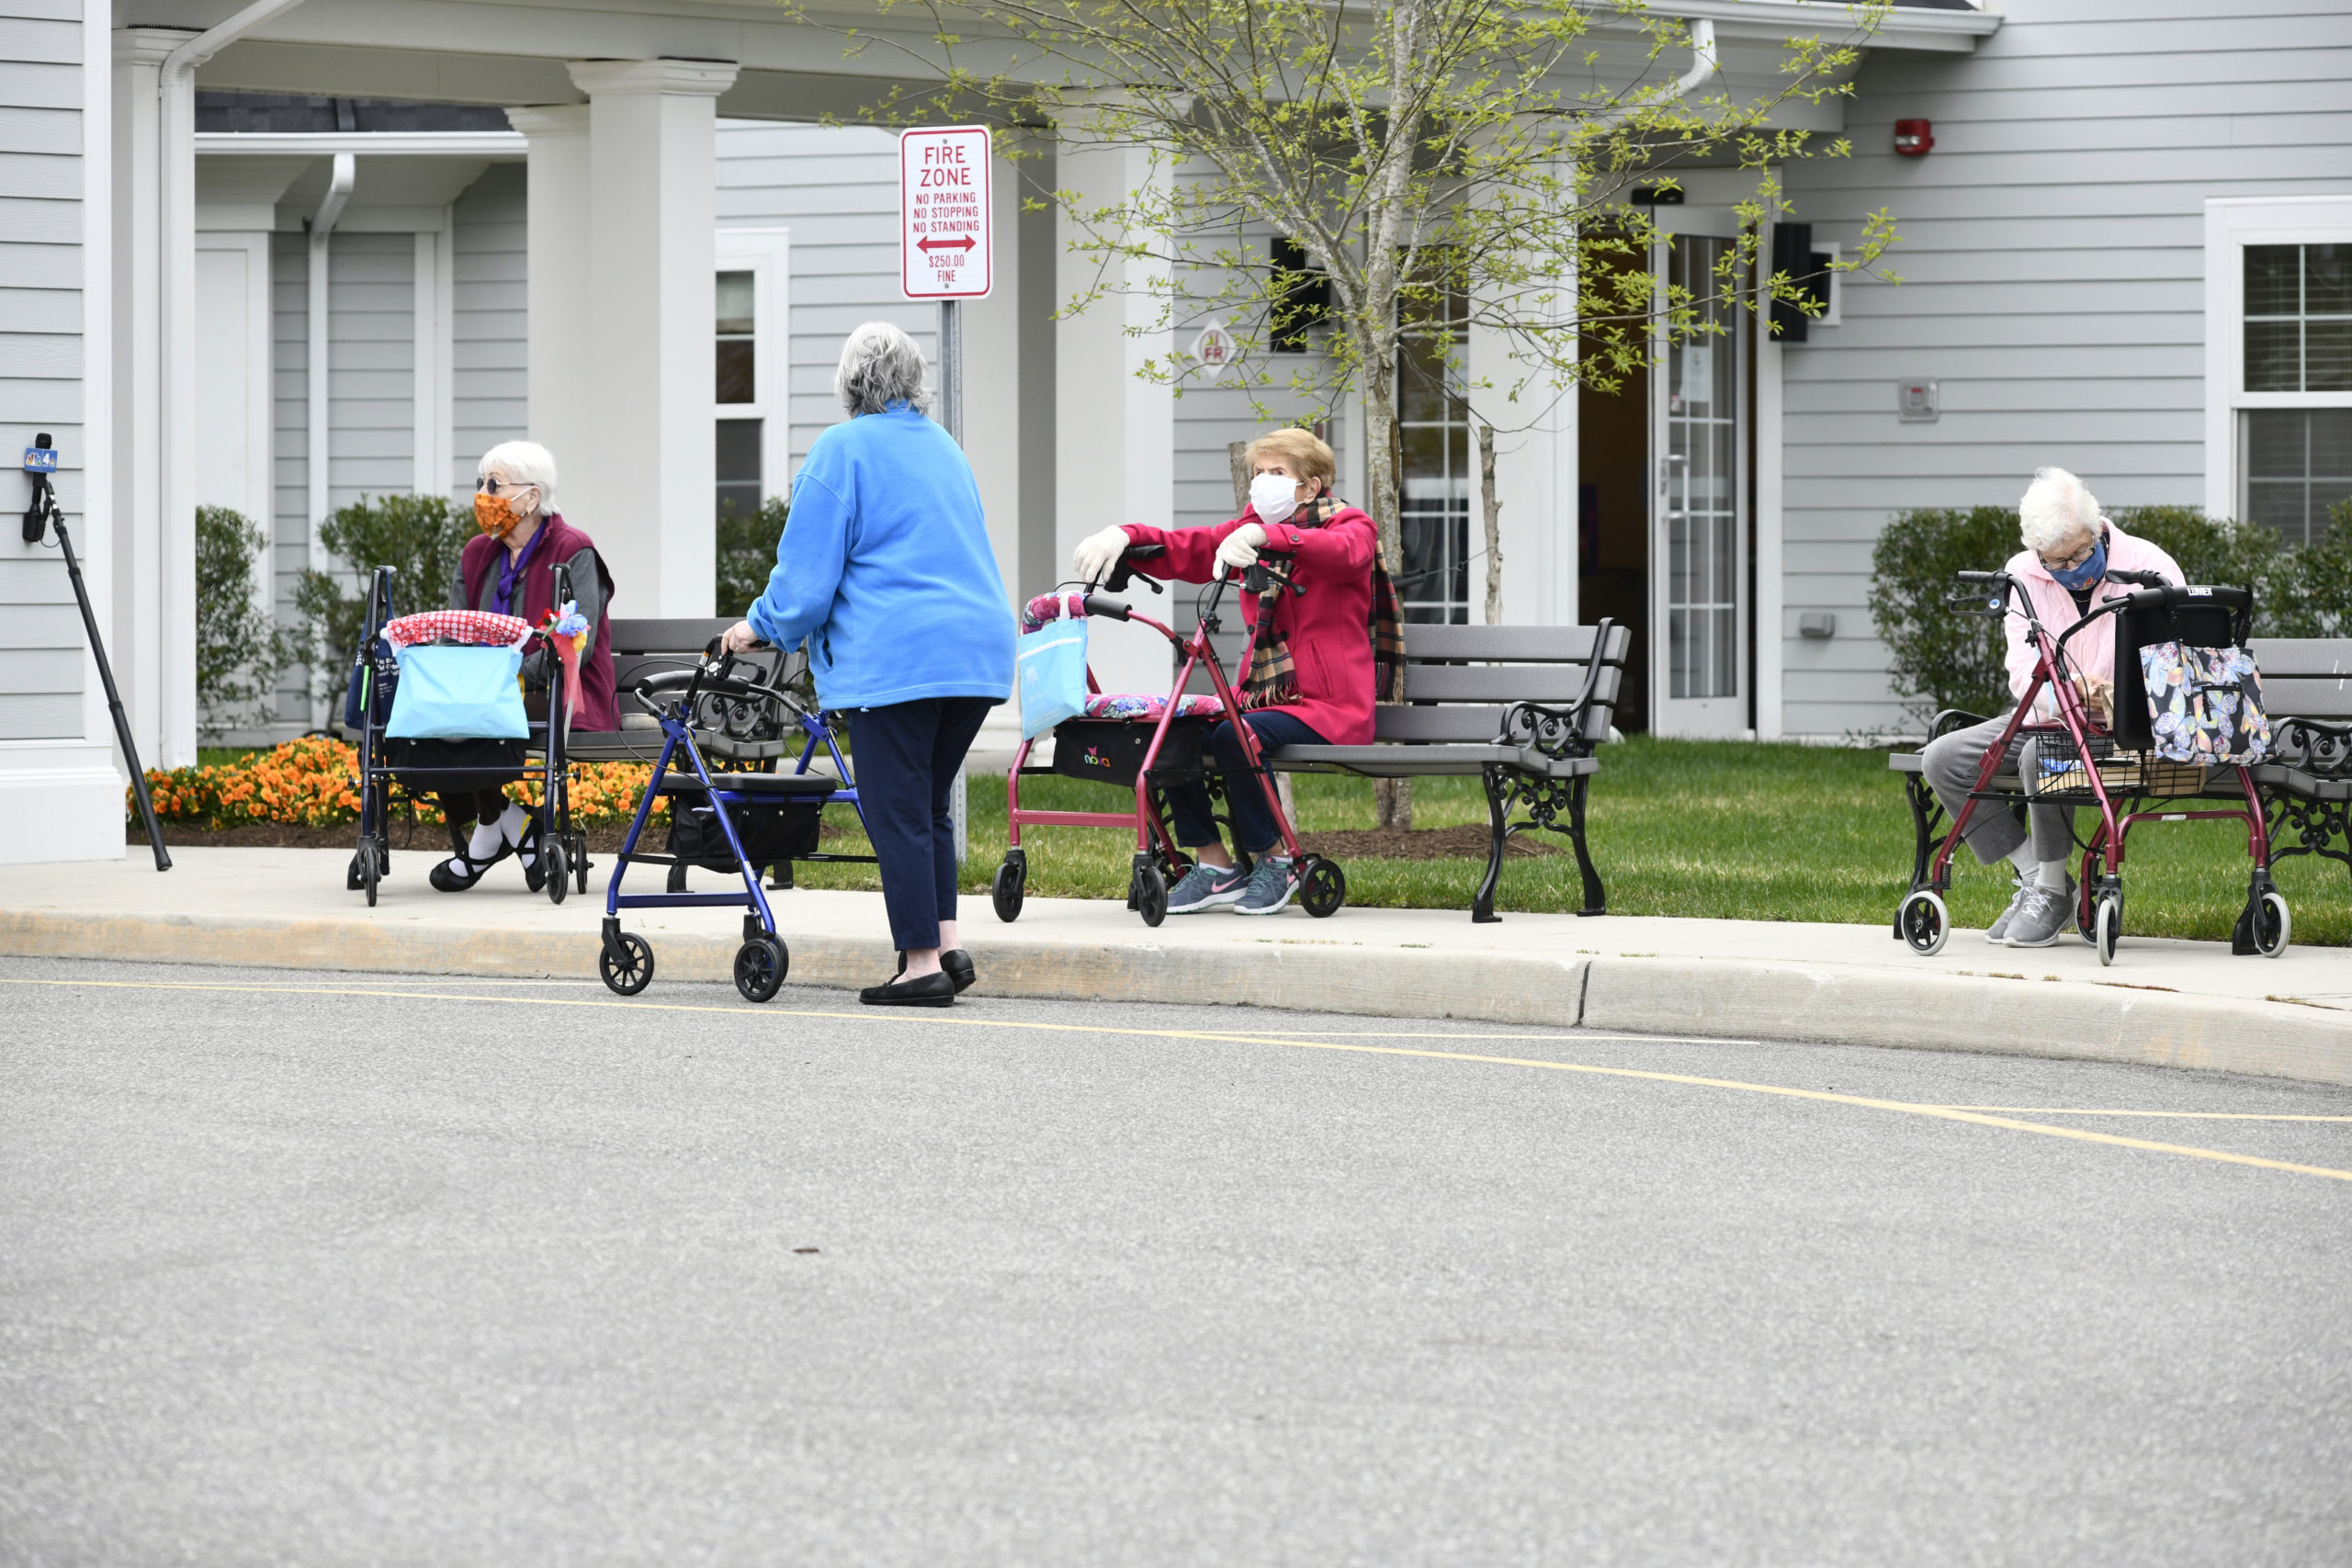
(1271, 679)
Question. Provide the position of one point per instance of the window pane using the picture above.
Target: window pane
(2331, 443)
(735, 302)
(2273, 281)
(2273, 356)
(2327, 280)
(737, 383)
(738, 467)
(2327, 356)
(2299, 462)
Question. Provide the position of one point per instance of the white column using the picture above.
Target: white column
(1114, 456)
(1536, 477)
(1772, 587)
(433, 344)
(992, 371)
(139, 554)
(651, 468)
(560, 330)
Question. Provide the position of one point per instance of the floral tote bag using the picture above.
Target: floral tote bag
(2205, 704)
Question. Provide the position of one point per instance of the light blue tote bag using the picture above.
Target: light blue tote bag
(1052, 662)
(460, 693)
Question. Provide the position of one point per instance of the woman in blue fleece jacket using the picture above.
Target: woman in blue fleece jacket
(886, 569)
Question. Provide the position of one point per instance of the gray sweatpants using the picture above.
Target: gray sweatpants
(1951, 767)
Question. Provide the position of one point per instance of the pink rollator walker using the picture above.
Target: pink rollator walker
(1147, 743)
(2084, 764)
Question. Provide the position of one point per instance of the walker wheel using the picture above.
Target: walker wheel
(579, 861)
(2273, 925)
(627, 962)
(1924, 922)
(759, 967)
(1322, 887)
(1010, 886)
(371, 859)
(1151, 895)
(2106, 927)
(558, 869)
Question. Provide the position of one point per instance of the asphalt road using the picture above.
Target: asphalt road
(325, 1270)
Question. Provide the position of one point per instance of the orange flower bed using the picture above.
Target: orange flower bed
(314, 783)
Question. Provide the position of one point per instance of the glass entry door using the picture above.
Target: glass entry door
(1698, 608)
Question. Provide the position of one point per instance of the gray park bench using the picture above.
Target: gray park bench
(647, 646)
(2307, 783)
(1519, 708)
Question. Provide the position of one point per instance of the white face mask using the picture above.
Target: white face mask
(1273, 497)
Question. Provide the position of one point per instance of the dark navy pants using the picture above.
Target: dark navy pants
(905, 757)
(1253, 820)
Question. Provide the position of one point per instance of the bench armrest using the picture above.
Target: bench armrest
(2315, 745)
(1556, 732)
(1950, 719)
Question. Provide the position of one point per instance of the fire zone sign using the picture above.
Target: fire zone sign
(944, 249)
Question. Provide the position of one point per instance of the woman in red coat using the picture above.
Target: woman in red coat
(509, 570)
(1323, 697)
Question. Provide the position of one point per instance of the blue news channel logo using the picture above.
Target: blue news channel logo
(40, 459)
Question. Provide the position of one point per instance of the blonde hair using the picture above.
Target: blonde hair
(1306, 454)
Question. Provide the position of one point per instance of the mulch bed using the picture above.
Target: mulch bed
(1468, 842)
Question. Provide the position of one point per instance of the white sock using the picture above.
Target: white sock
(2028, 868)
(484, 842)
(2052, 874)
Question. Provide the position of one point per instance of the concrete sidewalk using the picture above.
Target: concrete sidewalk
(2176, 1003)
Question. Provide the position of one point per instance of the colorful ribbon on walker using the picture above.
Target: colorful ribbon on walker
(568, 635)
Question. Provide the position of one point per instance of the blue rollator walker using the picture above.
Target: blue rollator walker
(735, 822)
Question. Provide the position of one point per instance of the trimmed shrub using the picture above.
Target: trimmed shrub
(1940, 658)
(419, 537)
(747, 554)
(239, 652)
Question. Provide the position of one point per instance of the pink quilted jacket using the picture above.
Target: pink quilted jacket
(2092, 649)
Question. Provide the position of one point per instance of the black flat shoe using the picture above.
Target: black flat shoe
(535, 863)
(925, 991)
(446, 879)
(956, 962)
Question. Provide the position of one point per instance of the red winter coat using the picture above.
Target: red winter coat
(591, 586)
(1328, 627)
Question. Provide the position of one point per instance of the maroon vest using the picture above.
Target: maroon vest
(535, 601)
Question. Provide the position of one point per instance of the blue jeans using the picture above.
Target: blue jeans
(1253, 820)
(905, 757)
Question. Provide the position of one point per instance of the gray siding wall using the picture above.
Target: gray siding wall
(40, 354)
(289, 351)
(2054, 259)
(490, 376)
(837, 189)
(372, 367)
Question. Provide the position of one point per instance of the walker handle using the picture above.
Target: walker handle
(1104, 604)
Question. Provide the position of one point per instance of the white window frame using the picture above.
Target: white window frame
(766, 253)
(2231, 224)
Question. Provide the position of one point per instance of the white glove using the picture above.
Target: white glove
(1239, 550)
(1098, 553)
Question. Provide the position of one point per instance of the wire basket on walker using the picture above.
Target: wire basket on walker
(460, 723)
(1145, 743)
(2186, 724)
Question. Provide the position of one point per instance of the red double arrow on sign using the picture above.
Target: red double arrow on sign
(962, 244)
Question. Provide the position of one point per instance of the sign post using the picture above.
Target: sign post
(947, 253)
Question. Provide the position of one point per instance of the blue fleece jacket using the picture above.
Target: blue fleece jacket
(884, 567)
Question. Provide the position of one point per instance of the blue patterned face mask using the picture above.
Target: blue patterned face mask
(2075, 578)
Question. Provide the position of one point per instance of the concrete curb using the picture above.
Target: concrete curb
(1837, 1004)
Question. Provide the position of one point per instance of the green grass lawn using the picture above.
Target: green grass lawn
(1728, 830)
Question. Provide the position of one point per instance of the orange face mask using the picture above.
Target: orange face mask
(495, 514)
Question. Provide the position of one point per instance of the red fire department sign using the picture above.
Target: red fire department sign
(944, 251)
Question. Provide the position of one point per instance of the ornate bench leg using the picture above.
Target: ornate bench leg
(1596, 901)
(1482, 905)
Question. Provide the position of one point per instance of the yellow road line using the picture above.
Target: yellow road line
(1936, 1112)
(2183, 1115)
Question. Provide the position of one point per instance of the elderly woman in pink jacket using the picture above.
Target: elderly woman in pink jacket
(2070, 549)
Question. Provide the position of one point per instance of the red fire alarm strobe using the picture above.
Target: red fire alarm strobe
(1913, 137)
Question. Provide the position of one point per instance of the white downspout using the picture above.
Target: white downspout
(346, 171)
(175, 172)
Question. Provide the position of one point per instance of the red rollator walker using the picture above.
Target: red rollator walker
(1147, 743)
(2083, 764)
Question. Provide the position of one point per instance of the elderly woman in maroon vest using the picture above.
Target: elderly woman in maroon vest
(509, 570)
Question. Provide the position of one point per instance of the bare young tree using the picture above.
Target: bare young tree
(1428, 158)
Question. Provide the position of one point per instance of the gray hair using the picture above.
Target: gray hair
(524, 462)
(880, 365)
(2057, 510)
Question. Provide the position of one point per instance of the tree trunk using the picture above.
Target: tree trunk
(1392, 799)
(1494, 507)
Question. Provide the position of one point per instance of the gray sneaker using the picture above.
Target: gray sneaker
(1999, 930)
(2044, 916)
(1207, 887)
(1270, 887)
